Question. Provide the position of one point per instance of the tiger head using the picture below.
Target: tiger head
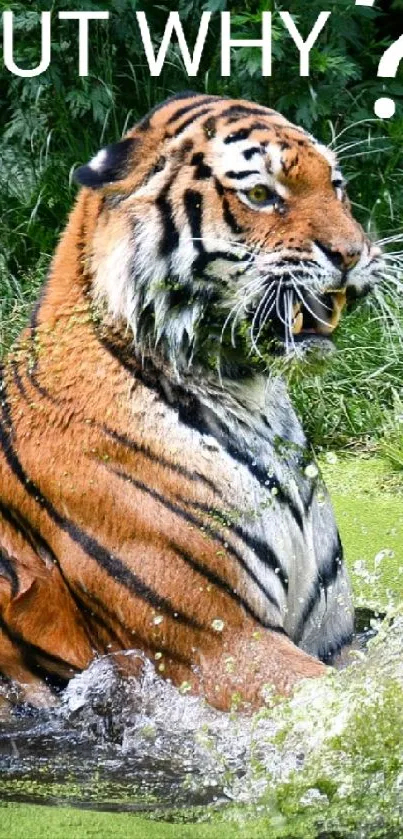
(224, 234)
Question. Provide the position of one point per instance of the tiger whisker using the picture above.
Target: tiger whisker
(362, 153)
(318, 299)
(265, 304)
(369, 140)
(306, 305)
(253, 287)
(396, 237)
(390, 315)
(353, 125)
(289, 335)
(265, 316)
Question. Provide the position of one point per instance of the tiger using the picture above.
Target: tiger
(157, 490)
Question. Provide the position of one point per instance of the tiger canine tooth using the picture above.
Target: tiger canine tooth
(297, 324)
(339, 301)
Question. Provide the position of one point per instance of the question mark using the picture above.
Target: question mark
(387, 69)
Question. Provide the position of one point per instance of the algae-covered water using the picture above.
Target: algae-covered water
(327, 763)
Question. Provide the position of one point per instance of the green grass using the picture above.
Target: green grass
(35, 822)
(368, 503)
(352, 402)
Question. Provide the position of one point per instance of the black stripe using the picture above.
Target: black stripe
(266, 554)
(4, 406)
(144, 124)
(193, 202)
(244, 133)
(183, 151)
(202, 171)
(310, 605)
(188, 122)
(27, 532)
(36, 659)
(235, 112)
(161, 461)
(120, 352)
(219, 187)
(236, 136)
(170, 236)
(210, 128)
(17, 379)
(261, 475)
(112, 564)
(331, 569)
(205, 259)
(229, 218)
(309, 498)
(107, 618)
(326, 575)
(32, 376)
(326, 655)
(193, 520)
(181, 112)
(244, 173)
(192, 415)
(263, 551)
(42, 549)
(248, 153)
(87, 602)
(8, 571)
(218, 581)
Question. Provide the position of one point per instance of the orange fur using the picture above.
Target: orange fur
(94, 458)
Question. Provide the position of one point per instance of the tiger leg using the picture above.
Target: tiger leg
(240, 666)
(43, 642)
(242, 670)
(18, 684)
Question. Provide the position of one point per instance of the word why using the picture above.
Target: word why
(156, 60)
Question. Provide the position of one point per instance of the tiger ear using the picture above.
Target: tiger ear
(109, 165)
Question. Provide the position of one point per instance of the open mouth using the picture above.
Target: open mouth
(318, 315)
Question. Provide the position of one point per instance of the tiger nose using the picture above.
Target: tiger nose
(343, 258)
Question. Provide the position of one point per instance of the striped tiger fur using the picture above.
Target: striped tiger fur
(156, 487)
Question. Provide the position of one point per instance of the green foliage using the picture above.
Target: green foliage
(392, 440)
(53, 122)
(351, 400)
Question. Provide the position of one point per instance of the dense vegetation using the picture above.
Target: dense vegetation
(52, 122)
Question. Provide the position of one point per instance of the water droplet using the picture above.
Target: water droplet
(218, 625)
(158, 619)
(311, 471)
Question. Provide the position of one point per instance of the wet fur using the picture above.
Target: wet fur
(149, 498)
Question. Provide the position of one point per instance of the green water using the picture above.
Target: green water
(327, 764)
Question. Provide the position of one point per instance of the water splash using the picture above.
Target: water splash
(143, 745)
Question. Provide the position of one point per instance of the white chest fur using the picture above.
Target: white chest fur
(247, 441)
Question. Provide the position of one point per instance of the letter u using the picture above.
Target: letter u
(8, 46)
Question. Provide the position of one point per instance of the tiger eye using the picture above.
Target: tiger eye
(259, 194)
